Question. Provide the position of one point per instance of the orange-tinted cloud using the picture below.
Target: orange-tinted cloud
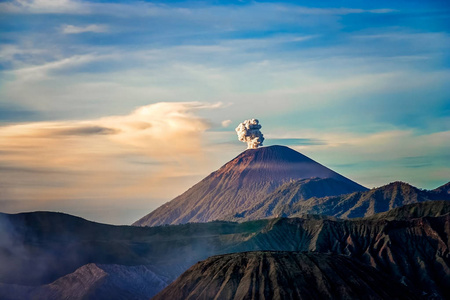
(135, 156)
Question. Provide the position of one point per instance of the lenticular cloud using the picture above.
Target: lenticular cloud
(249, 132)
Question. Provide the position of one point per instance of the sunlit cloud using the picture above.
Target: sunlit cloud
(135, 156)
(226, 123)
(159, 130)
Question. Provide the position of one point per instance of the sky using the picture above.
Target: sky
(108, 109)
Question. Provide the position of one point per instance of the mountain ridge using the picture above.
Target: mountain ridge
(364, 204)
(283, 275)
(285, 201)
(411, 245)
(445, 188)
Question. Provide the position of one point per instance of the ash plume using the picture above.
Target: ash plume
(249, 132)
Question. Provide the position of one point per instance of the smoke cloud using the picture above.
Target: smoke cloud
(249, 132)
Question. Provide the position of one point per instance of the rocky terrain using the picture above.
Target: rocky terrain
(244, 182)
(283, 275)
(409, 244)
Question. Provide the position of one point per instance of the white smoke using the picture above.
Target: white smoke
(248, 132)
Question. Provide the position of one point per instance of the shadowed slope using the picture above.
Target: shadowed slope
(416, 210)
(287, 201)
(443, 188)
(283, 275)
(94, 282)
(275, 204)
(240, 184)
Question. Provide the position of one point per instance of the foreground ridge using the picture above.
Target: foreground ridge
(283, 275)
(409, 244)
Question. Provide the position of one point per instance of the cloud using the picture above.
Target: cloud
(46, 163)
(263, 43)
(335, 11)
(226, 123)
(86, 130)
(43, 7)
(157, 130)
(150, 9)
(71, 29)
(41, 71)
(293, 141)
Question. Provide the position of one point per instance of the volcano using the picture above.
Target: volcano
(244, 181)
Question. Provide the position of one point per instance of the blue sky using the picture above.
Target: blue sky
(360, 86)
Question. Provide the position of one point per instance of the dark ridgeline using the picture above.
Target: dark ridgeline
(242, 183)
(283, 276)
(409, 244)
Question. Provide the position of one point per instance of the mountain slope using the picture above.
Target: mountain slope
(443, 188)
(410, 245)
(290, 193)
(283, 275)
(434, 208)
(96, 282)
(286, 202)
(236, 186)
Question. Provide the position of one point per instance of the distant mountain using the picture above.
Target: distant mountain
(242, 183)
(410, 245)
(94, 282)
(283, 275)
(434, 208)
(443, 188)
(289, 201)
(273, 205)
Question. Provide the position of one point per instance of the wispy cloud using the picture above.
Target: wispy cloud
(143, 8)
(43, 7)
(294, 141)
(161, 130)
(41, 71)
(71, 29)
(336, 11)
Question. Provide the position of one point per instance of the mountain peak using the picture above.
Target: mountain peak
(398, 183)
(237, 185)
(274, 153)
(277, 164)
